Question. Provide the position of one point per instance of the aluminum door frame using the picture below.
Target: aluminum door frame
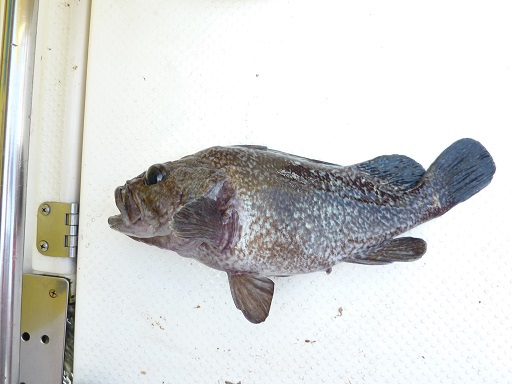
(17, 70)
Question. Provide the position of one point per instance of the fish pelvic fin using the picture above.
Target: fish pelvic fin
(400, 249)
(252, 295)
(462, 170)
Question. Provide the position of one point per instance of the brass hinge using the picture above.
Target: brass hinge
(57, 229)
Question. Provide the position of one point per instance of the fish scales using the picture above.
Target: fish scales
(290, 215)
(256, 213)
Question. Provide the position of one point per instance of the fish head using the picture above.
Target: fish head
(147, 202)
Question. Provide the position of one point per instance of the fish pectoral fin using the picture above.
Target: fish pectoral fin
(252, 295)
(199, 219)
(400, 249)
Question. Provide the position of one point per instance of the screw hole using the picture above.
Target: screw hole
(45, 339)
(25, 336)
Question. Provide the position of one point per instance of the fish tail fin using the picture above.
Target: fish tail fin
(462, 170)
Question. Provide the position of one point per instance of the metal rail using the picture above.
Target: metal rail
(16, 76)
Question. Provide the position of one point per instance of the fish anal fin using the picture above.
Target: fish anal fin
(399, 170)
(199, 219)
(400, 249)
(252, 295)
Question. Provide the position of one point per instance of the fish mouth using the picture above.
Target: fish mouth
(115, 221)
(130, 217)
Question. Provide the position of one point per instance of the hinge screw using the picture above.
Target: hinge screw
(45, 209)
(43, 246)
(53, 293)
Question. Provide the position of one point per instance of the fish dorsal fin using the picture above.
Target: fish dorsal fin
(400, 249)
(399, 170)
(199, 219)
(289, 155)
(252, 295)
(255, 147)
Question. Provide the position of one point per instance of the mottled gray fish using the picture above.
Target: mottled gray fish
(255, 212)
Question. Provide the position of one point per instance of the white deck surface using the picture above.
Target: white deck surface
(335, 82)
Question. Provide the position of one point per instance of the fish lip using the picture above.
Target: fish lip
(115, 221)
(123, 196)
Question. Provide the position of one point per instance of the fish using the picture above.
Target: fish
(258, 213)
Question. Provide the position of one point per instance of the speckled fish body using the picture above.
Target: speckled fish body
(255, 212)
(295, 215)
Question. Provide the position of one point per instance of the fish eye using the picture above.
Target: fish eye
(154, 174)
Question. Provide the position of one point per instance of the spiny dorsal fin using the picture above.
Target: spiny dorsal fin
(255, 147)
(399, 170)
(400, 249)
(252, 295)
